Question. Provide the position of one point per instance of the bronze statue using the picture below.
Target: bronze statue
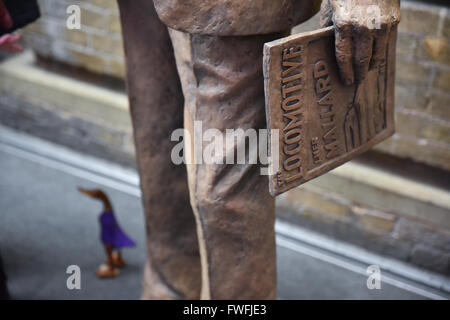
(211, 55)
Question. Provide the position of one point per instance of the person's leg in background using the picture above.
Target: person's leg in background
(4, 294)
(156, 103)
(223, 85)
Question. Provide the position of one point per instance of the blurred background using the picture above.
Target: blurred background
(65, 122)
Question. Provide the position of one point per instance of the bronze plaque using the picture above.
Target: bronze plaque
(322, 123)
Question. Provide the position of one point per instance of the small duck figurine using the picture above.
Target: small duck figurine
(112, 236)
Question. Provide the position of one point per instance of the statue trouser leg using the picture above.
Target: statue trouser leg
(156, 104)
(223, 86)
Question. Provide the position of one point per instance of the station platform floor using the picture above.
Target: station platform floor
(46, 225)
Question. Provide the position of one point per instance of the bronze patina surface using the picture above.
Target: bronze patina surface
(322, 123)
(234, 17)
(228, 249)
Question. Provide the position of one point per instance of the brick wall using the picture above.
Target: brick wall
(423, 86)
(97, 47)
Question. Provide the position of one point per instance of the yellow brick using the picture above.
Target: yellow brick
(411, 72)
(439, 105)
(107, 44)
(373, 219)
(409, 124)
(88, 61)
(93, 19)
(116, 68)
(318, 216)
(406, 43)
(416, 19)
(437, 131)
(313, 200)
(114, 24)
(442, 82)
(416, 99)
(435, 49)
(411, 148)
(107, 4)
(76, 36)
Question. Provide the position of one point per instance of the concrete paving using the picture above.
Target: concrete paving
(46, 225)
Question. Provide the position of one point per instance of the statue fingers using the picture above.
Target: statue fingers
(380, 44)
(363, 49)
(326, 14)
(344, 53)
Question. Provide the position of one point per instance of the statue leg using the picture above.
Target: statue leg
(223, 86)
(156, 104)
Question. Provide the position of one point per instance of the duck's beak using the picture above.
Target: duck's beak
(86, 192)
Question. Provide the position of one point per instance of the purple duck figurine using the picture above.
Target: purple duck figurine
(112, 236)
